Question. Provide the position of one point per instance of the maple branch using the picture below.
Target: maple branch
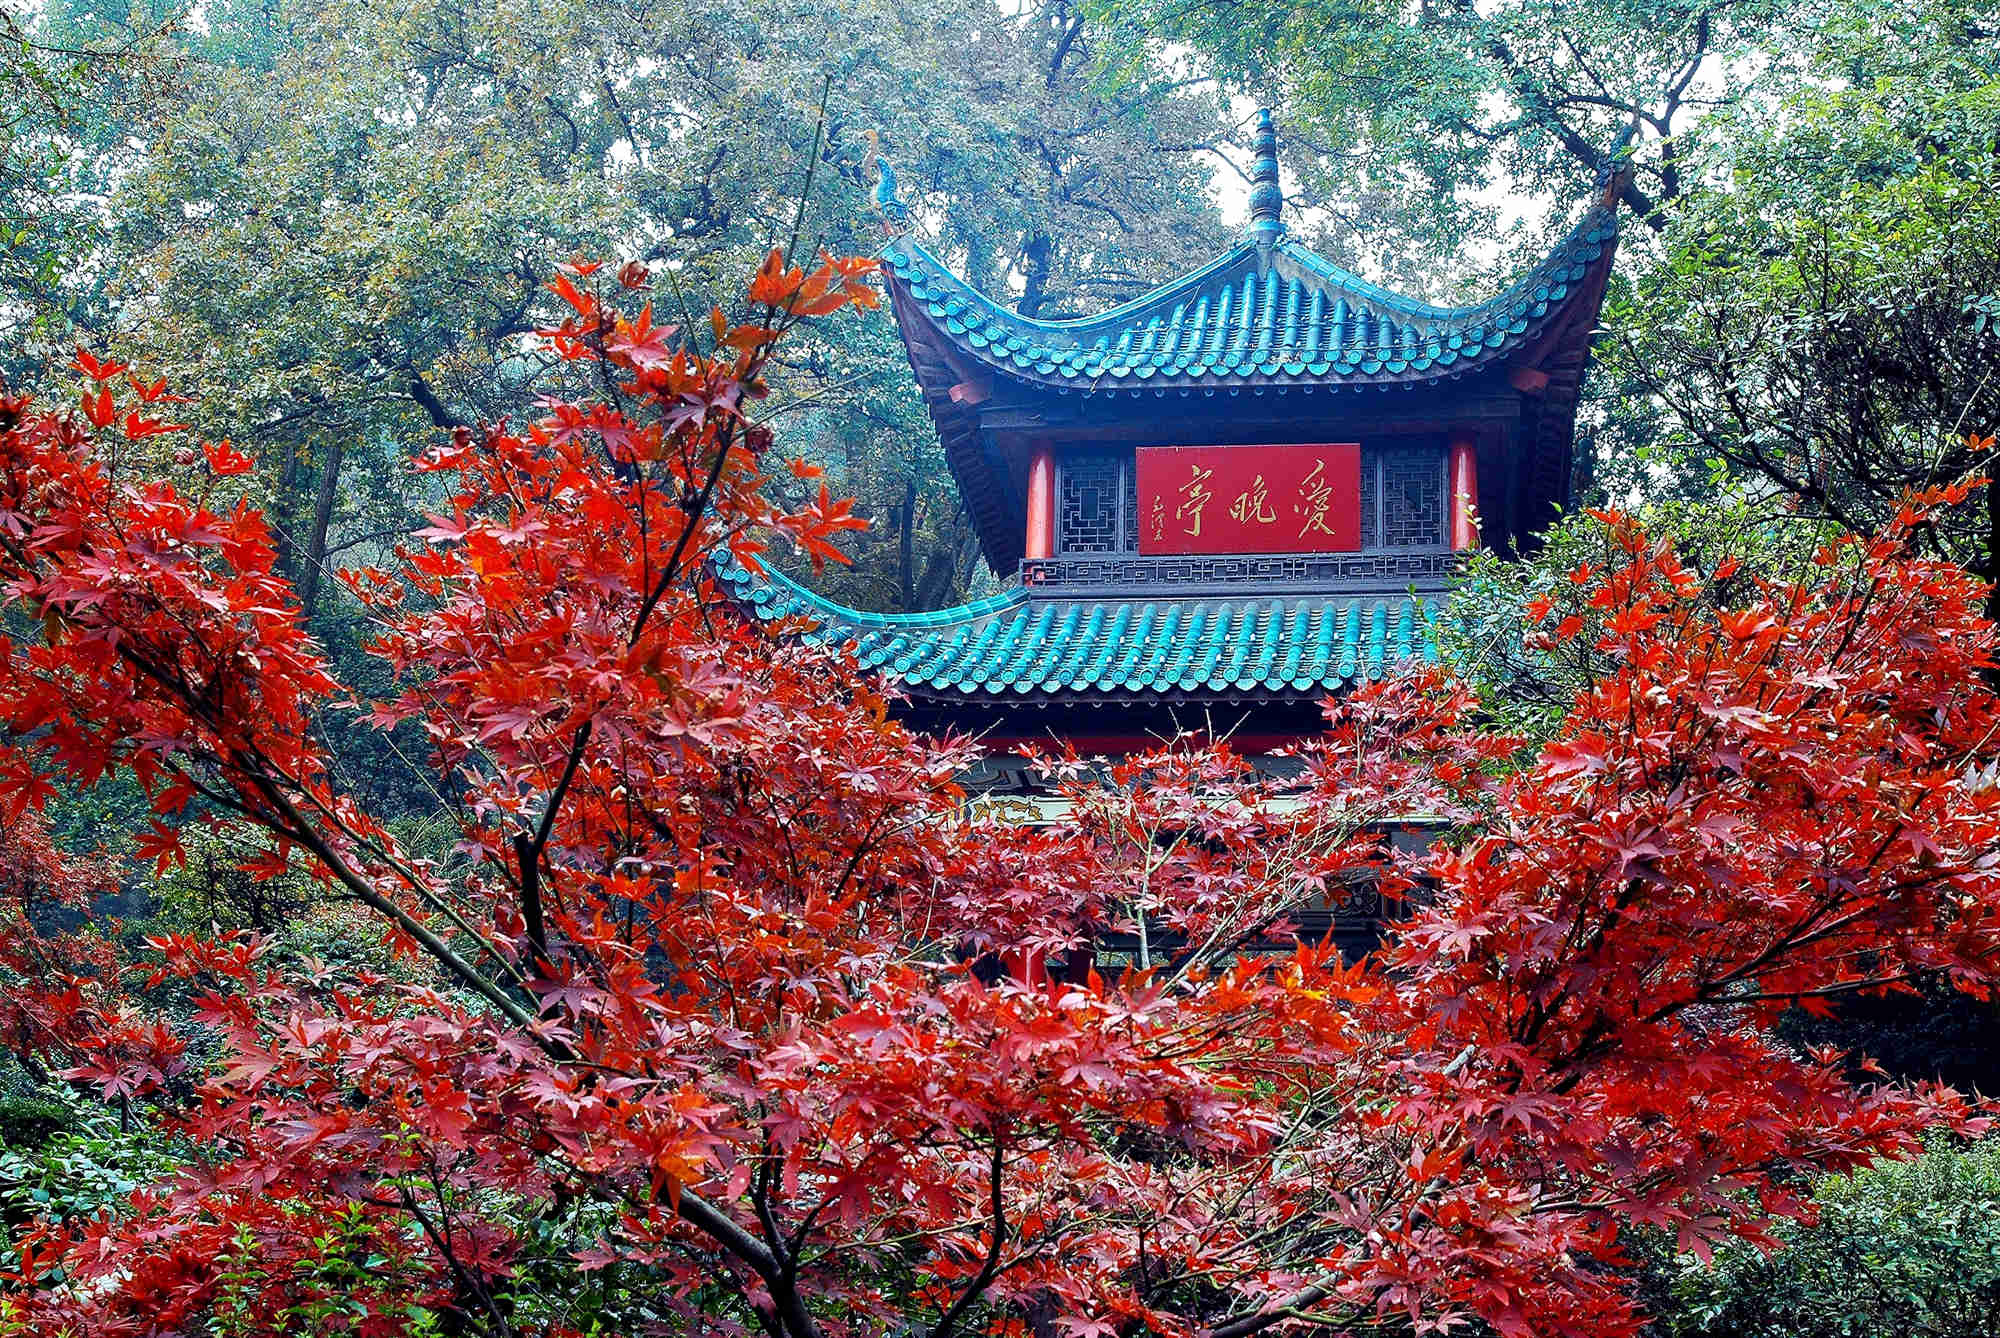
(812, 166)
(795, 1244)
(528, 852)
(692, 512)
(528, 856)
(725, 1231)
(1826, 991)
(264, 778)
(301, 829)
(984, 1277)
(230, 803)
(726, 436)
(1275, 1313)
(442, 1240)
(760, 1201)
(723, 1228)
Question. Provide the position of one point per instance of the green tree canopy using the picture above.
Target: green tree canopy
(345, 217)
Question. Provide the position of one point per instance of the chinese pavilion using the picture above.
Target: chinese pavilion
(1225, 499)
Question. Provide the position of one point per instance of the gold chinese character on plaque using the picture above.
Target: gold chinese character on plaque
(1252, 506)
(1194, 496)
(1315, 496)
(1158, 518)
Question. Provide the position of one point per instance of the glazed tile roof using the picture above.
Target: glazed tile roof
(1269, 313)
(1109, 650)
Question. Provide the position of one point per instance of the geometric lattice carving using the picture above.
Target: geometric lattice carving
(1131, 505)
(1412, 498)
(1402, 497)
(1201, 573)
(1097, 505)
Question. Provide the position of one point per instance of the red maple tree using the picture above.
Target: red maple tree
(705, 1034)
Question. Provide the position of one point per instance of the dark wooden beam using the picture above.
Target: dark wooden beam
(1250, 420)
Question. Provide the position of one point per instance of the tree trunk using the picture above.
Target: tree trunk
(428, 401)
(935, 585)
(968, 560)
(1037, 263)
(312, 561)
(285, 513)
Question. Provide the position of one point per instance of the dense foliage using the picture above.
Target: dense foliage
(694, 1028)
(1932, 1032)
(1527, 686)
(516, 942)
(1910, 1247)
(1828, 325)
(341, 218)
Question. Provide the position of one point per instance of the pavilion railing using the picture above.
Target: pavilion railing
(1275, 573)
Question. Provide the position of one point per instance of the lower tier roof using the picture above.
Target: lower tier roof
(1021, 646)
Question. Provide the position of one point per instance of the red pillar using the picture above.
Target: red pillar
(1463, 483)
(1041, 536)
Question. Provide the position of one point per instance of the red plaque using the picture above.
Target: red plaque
(1250, 499)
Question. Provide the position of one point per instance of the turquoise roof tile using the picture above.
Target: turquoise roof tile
(1020, 645)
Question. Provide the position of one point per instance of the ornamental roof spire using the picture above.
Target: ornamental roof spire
(889, 204)
(1267, 197)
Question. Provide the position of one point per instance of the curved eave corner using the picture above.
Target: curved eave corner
(1111, 650)
(1299, 320)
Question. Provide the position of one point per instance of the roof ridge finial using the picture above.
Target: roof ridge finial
(1267, 197)
(888, 203)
